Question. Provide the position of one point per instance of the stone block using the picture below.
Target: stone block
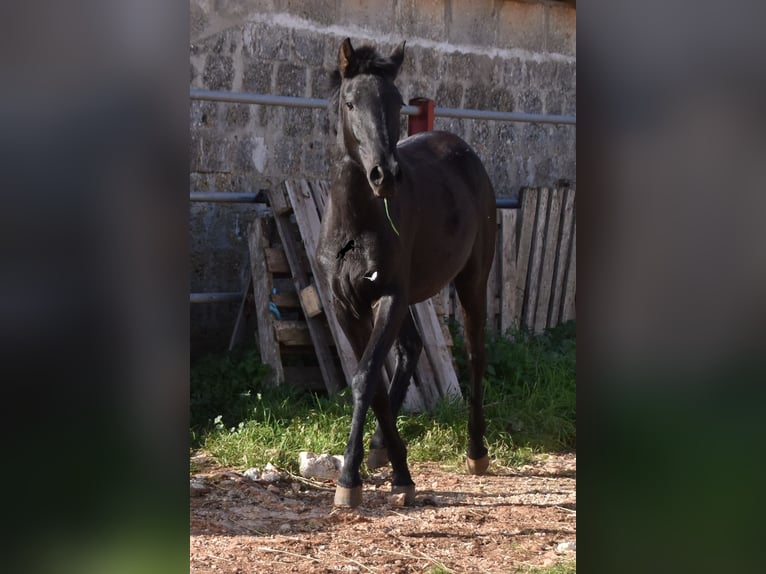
(290, 80)
(449, 95)
(218, 73)
(476, 97)
(521, 25)
(237, 115)
(266, 42)
(308, 48)
(316, 161)
(472, 22)
(257, 77)
(322, 11)
(298, 122)
(369, 14)
(561, 32)
(421, 18)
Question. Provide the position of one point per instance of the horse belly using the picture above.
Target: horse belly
(435, 264)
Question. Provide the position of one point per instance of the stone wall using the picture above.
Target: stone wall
(484, 54)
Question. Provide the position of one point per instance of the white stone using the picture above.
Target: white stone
(321, 467)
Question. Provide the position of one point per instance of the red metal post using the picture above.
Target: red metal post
(423, 121)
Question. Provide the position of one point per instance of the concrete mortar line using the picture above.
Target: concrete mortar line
(294, 22)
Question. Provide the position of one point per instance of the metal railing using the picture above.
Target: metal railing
(298, 102)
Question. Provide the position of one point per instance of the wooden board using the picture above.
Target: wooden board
(509, 289)
(267, 343)
(568, 306)
(528, 212)
(535, 262)
(562, 260)
(548, 261)
(292, 333)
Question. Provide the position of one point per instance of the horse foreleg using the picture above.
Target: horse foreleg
(389, 313)
(408, 348)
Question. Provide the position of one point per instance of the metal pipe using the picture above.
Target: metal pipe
(260, 99)
(230, 297)
(507, 203)
(504, 116)
(297, 102)
(223, 197)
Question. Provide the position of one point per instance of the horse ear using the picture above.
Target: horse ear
(345, 54)
(397, 56)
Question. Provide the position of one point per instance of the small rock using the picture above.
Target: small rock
(252, 473)
(273, 489)
(321, 467)
(198, 487)
(397, 499)
(566, 547)
(270, 474)
(284, 527)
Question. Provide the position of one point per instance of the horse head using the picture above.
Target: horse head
(369, 111)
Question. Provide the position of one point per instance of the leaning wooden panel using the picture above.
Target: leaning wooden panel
(562, 260)
(267, 342)
(435, 347)
(308, 222)
(535, 262)
(568, 306)
(493, 288)
(549, 260)
(510, 297)
(528, 214)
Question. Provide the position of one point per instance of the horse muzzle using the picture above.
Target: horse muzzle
(383, 179)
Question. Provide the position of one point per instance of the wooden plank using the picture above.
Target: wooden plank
(267, 342)
(493, 282)
(279, 202)
(310, 302)
(300, 277)
(549, 259)
(535, 262)
(292, 333)
(562, 259)
(568, 306)
(308, 223)
(236, 332)
(528, 210)
(510, 298)
(276, 261)
(286, 299)
(435, 347)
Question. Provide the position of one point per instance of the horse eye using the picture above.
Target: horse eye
(349, 105)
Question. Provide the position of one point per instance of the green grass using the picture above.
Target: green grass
(529, 405)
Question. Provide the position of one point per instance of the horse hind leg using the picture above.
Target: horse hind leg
(472, 292)
(409, 345)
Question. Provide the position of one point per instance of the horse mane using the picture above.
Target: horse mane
(366, 60)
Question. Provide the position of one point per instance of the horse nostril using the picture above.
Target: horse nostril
(376, 175)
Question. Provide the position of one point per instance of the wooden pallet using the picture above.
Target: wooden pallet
(294, 333)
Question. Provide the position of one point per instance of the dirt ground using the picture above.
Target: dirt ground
(507, 521)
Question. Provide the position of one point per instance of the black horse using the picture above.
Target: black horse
(402, 221)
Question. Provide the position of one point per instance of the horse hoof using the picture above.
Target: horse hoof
(409, 493)
(378, 457)
(477, 466)
(349, 497)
